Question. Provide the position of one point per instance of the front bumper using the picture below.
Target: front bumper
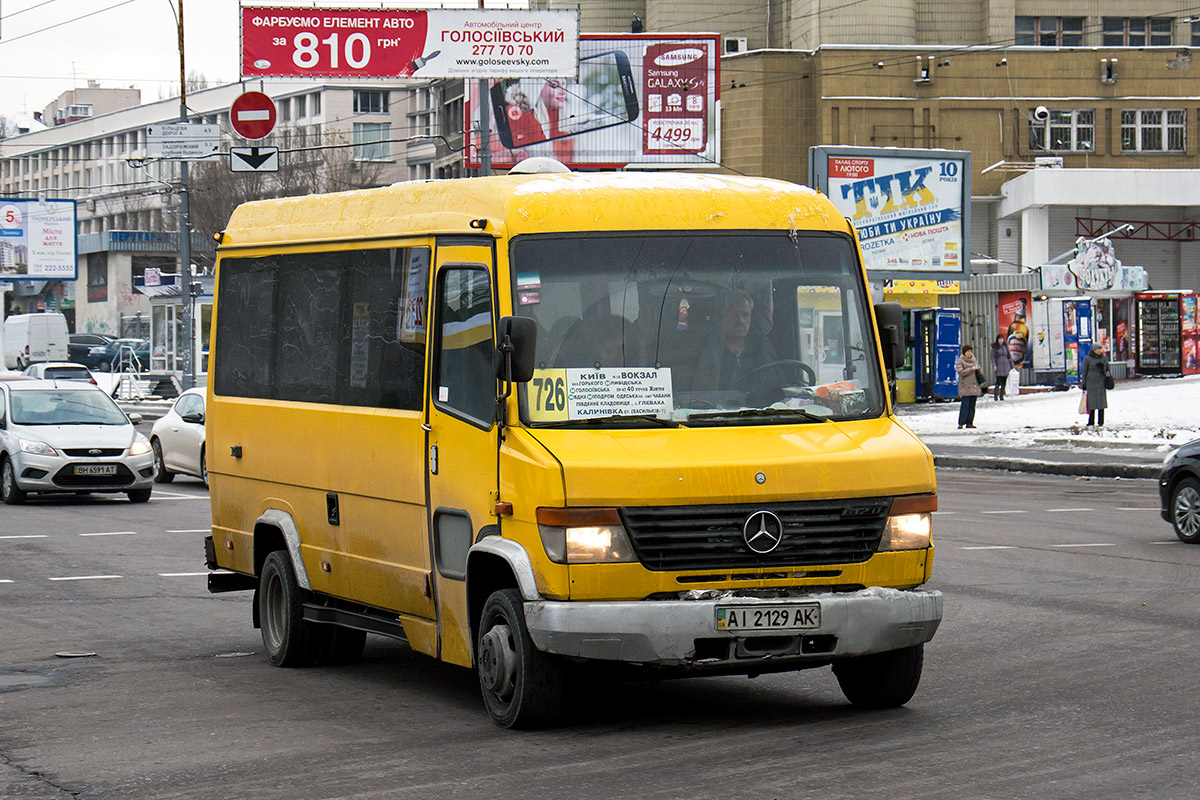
(41, 473)
(683, 633)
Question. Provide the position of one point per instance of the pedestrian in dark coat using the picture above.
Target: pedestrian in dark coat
(1001, 364)
(968, 386)
(1093, 379)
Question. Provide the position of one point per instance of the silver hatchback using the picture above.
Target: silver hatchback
(67, 436)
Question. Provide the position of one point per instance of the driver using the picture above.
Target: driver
(734, 351)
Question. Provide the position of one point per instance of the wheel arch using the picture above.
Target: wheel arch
(276, 530)
(494, 564)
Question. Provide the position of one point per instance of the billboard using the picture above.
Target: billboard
(911, 207)
(388, 43)
(642, 99)
(37, 239)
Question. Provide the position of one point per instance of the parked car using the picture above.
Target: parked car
(80, 348)
(178, 439)
(1179, 490)
(8, 375)
(60, 371)
(111, 356)
(67, 436)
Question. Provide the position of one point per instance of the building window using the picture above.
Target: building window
(1153, 130)
(370, 101)
(1064, 130)
(1049, 31)
(370, 141)
(316, 103)
(1138, 31)
(301, 106)
(285, 110)
(1196, 34)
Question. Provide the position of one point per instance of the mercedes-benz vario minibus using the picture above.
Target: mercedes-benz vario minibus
(533, 421)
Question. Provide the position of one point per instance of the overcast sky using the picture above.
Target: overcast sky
(47, 48)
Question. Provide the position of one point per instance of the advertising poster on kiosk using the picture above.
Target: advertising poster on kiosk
(37, 239)
(643, 99)
(1013, 316)
(911, 207)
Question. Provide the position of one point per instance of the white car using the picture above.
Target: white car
(178, 439)
(60, 371)
(69, 437)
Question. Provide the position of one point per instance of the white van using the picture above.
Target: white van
(29, 338)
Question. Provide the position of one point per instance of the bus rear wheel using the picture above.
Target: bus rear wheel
(522, 686)
(285, 634)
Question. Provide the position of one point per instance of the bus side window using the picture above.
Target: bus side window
(466, 375)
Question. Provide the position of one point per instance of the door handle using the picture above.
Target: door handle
(433, 459)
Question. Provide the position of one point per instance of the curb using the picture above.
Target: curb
(1140, 471)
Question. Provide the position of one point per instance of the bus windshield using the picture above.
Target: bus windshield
(683, 329)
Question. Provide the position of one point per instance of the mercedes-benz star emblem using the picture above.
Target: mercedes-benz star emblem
(762, 532)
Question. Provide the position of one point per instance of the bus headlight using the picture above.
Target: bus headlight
(909, 524)
(584, 536)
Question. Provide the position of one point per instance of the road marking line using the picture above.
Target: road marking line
(1169, 541)
(990, 547)
(2, 580)
(1006, 511)
(181, 574)
(950, 513)
(112, 533)
(1132, 508)
(196, 530)
(180, 497)
(1090, 544)
(1063, 510)
(86, 578)
(26, 536)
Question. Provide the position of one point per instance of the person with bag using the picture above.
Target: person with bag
(1002, 364)
(1095, 381)
(970, 386)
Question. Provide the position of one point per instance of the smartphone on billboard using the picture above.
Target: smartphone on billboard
(532, 110)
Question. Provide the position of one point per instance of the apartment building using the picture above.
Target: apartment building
(331, 135)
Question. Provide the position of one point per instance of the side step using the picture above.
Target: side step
(361, 620)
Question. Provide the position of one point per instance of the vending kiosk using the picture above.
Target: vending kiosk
(938, 337)
(1167, 333)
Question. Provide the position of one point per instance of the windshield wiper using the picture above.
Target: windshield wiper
(756, 413)
(590, 422)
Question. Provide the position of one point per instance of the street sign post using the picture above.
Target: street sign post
(182, 140)
(252, 115)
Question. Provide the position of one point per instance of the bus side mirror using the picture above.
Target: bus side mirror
(889, 317)
(517, 350)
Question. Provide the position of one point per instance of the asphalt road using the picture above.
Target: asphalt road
(1063, 669)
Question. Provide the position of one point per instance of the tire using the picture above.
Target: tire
(204, 467)
(161, 473)
(288, 639)
(881, 680)
(9, 491)
(1185, 511)
(334, 645)
(139, 495)
(522, 687)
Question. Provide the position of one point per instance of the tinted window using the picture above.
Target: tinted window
(324, 327)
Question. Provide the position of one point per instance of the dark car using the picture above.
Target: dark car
(1179, 489)
(123, 355)
(80, 347)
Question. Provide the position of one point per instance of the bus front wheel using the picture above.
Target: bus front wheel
(522, 686)
(881, 680)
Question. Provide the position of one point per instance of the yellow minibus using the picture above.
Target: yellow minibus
(533, 421)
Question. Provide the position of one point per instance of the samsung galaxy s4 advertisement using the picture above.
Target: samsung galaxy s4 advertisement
(638, 100)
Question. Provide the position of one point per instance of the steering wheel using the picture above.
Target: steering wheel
(806, 372)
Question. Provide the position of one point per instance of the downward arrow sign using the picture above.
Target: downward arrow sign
(254, 158)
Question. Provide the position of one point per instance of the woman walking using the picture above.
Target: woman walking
(1094, 380)
(1001, 364)
(968, 386)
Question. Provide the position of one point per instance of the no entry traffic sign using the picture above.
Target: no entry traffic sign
(252, 115)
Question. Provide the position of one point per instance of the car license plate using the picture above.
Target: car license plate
(769, 617)
(95, 469)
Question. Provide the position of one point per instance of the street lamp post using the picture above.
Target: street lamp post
(185, 229)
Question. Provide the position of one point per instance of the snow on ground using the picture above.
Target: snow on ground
(1159, 413)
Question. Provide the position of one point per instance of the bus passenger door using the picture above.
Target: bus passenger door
(462, 439)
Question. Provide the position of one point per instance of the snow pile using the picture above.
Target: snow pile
(1159, 413)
